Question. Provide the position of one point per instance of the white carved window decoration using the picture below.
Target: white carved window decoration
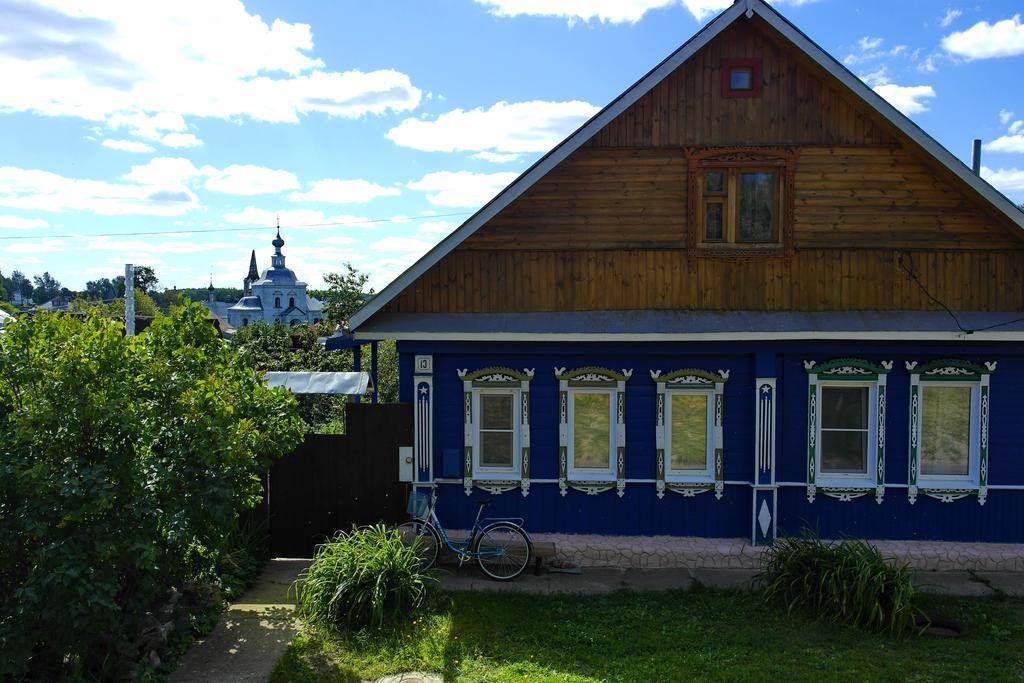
(949, 409)
(496, 429)
(846, 428)
(688, 438)
(592, 430)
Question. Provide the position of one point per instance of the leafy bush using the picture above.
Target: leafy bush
(847, 581)
(362, 579)
(123, 464)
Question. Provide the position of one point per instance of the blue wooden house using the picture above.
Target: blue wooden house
(747, 297)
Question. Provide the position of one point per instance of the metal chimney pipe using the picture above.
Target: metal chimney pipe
(976, 158)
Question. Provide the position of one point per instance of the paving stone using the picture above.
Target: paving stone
(656, 579)
(411, 677)
(724, 577)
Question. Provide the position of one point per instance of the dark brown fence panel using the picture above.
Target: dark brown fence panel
(333, 481)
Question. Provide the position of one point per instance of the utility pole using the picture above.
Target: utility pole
(129, 300)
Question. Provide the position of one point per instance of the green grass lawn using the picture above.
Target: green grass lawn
(675, 636)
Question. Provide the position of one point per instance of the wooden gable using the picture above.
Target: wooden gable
(606, 228)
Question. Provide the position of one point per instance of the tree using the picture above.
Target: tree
(4, 291)
(123, 464)
(46, 287)
(21, 284)
(101, 290)
(145, 279)
(345, 294)
(144, 306)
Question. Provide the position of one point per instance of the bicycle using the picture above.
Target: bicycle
(501, 547)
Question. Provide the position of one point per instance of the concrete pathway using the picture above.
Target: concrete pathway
(599, 580)
(251, 635)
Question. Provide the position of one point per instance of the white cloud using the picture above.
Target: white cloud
(1007, 143)
(164, 172)
(496, 157)
(909, 99)
(22, 223)
(118, 61)
(869, 43)
(984, 40)
(951, 16)
(435, 228)
(1005, 116)
(255, 216)
(338, 240)
(44, 246)
(610, 11)
(335, 191)
(505, 128)
(877, 77)
(402, 245)
(36, 190)
(1016, 127)
(128, 146)
(245, 179)
(178, 140)
(461, 188)
(1008, 180)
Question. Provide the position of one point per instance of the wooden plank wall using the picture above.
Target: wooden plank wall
(811, 280)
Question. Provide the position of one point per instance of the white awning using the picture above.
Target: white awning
(344, 383)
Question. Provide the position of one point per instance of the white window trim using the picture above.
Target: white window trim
(951, 372)
(689, 482)
(592, 481)
(843, 480)
(847, 372)
(707, 474)
(496, 380)
(592, 473)
(481, 471)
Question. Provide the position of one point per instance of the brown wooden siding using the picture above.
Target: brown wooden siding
(799, 105)
(811, 280)
(846, 197)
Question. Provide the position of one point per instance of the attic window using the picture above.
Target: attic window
(740, 200)
(741, 78)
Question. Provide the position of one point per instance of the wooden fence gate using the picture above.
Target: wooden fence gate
(333, 481)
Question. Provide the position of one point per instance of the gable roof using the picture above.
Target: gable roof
(740, 8)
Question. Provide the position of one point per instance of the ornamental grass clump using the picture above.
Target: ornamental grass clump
(848, 581)
(363, 578)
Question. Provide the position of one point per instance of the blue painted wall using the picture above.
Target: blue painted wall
(640, 512)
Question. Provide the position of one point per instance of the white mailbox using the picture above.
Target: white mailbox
(405, 464)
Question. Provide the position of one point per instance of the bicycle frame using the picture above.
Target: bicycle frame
(462, 548)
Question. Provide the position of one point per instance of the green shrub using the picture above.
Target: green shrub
(123, 464)
(846, 581)
(363, 579)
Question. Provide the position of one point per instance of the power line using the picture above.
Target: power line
(202, 231)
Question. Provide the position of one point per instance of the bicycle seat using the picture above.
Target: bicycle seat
(484, 501)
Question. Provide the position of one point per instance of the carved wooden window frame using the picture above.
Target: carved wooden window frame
(490, 380)
(690, 380)
(734, 160)
(589, 379)
(856, 372)
(950, 372)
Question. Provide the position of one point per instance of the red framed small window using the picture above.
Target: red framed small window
(741, 78)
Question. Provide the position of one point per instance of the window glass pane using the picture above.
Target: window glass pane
(591, 430)
(741, 78)
(844, 407)
(713, 215)
(496, 449)
(844, 452)
(757, 207)
(496, 411)
(946, 430)
(714, 182)
(689, 432)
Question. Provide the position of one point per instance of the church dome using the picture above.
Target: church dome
(278, 276)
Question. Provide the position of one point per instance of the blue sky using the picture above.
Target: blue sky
(389, 121)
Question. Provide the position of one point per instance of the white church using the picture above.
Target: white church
(275, 297)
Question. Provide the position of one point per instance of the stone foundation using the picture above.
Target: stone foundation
(657, 552)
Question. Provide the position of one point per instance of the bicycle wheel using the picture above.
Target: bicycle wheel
(429, 543)
(503, 550)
